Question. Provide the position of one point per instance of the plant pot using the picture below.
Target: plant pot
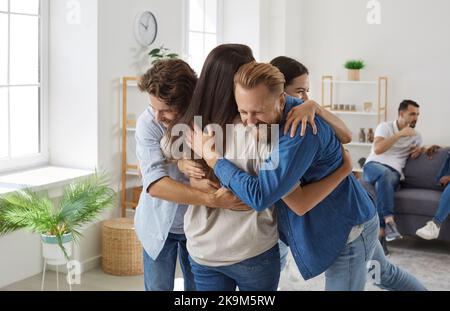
(353, 74)
(51, 251)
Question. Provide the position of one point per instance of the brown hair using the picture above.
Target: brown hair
(254, 74)
(173, 81)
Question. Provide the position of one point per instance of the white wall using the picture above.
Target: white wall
(20, 257)
(73, 86)
(270, 27)
(242, 23)
(119, 54)
(72, 128)
(86, 63)
(410, 46)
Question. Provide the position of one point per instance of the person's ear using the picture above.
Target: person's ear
(282, 101)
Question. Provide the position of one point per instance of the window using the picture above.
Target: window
(22, 140)
(203, 30)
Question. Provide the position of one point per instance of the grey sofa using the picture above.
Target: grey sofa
(417, 199)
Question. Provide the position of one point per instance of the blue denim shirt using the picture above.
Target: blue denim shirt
(154, 217)
(317, 238)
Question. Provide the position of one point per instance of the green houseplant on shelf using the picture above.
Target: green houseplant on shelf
(82, 203)
(161, 53)
(354, 67)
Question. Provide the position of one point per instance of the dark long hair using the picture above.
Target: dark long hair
(213, 98)
(290, 68)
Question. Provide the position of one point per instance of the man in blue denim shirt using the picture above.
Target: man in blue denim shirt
(160, 213)
(432, 229)
(339, 235)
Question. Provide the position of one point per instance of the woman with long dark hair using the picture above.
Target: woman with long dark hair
(227, 248)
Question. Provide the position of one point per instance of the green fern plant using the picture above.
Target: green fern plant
(82, 203)
(161, 53)
(355, 64)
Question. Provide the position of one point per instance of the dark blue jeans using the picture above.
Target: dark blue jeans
(386, 180)
(260, 273)
(159, 274)
(444, 206)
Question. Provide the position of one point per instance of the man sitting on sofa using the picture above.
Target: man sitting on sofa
(431, 230)
(394, 143)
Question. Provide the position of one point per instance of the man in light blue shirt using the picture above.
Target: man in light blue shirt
(166, 194)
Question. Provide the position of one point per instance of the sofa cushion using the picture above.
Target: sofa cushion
(417, 202)
(422, 172)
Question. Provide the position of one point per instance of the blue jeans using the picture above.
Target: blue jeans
(260, 273)
(392, 277)
(284, 250)
(386, 181)
(444, 206)
(349, 271)
(159, 274)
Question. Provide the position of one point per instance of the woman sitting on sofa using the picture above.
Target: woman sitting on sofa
(432, 228)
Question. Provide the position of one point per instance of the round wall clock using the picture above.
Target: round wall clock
(146, 28)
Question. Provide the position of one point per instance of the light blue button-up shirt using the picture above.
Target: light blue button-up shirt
(155, 218)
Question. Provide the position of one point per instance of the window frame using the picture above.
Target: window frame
(8, 164)
(187, 30)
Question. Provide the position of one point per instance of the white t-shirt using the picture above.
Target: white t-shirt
(398, 154)
(220, 237)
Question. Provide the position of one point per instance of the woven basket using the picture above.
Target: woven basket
(122, 253)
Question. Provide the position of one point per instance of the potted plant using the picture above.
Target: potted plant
(161, 53)
(82, 202)
(354, 67)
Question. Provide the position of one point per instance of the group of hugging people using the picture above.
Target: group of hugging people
(230, 218)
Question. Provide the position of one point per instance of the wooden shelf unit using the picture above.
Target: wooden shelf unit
(381, 107)
(127, 126)
(329, 84)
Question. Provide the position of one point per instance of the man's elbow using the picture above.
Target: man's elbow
(378, 151)
(347, 138)
(153, 191)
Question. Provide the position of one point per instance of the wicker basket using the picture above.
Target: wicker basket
(122, 253)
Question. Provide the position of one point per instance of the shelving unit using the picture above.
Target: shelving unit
(127, 126)
(329, 87)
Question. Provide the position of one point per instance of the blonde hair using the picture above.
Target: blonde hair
(253, 74)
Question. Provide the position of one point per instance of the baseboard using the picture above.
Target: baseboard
(86, 265)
